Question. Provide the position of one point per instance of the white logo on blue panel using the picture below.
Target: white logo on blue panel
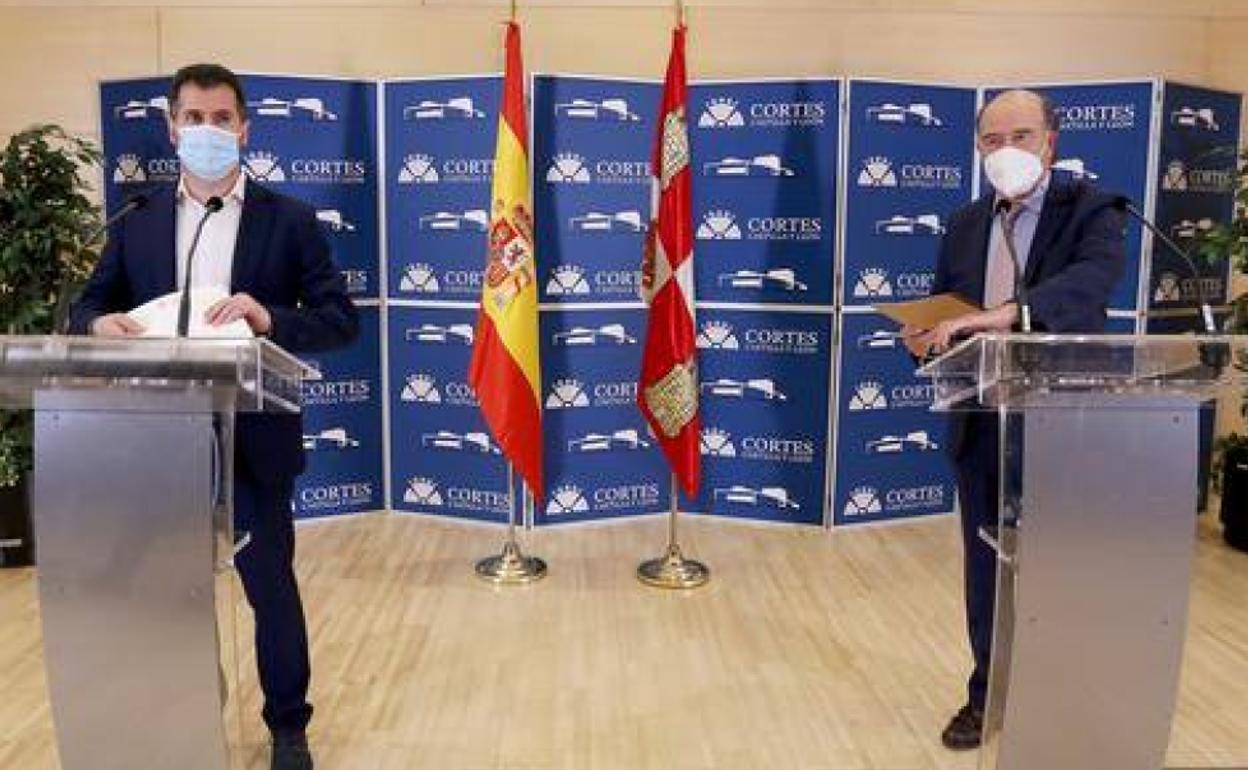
(778, 498)
(1188, 229)
(625, 438)
(762, 389)
(567, 394)
(915, 114)
(421, 389)
(262, 166)
(863, 501)
(1096, 117)
(1077, 168)
(914, 441)
(567, 280)
(602, 222)
(868, 396)
(330, 438)
(718, 335)
(784, 278)
(568, 168)
(717, 443)
(473, 442)
(129, 170)
(306, 108)
(565, 499)
(608, 334)
(335, 221)
(419, 278)
(1179, 177)
(474, 220)
(614, 109)
(142, 109)
(423, 491)
(719, 225)
(873, 283)
(456, 108)
(441, 335)
(1168, 288)
(721, 112)
(1192, 117)
(418, 168)
(877, 171)
(880, 339)
(757, 166)
(920, 224)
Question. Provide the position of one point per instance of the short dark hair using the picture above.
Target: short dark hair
(1047, 109)
(207, 76)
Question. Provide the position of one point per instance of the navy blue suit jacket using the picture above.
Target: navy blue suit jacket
(1076, 259)
(281, 258)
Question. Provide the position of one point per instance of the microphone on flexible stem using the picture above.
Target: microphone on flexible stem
(211, 206)
(1214, 355)
(61, 316)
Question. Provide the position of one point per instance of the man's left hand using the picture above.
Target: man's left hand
(998, 319)
(240, 306)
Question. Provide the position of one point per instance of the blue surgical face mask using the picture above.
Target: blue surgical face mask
(208, 152)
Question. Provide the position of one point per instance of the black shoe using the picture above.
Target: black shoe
(290, 752)
(964, 730)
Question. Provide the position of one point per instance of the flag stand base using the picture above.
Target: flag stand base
(511, 567)
(673, 570)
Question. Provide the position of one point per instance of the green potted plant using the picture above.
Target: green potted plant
(45, 212)
(1229, 242)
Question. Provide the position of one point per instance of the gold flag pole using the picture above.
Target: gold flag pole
(513, 10)
(672, 569)
(680, 13)
(511, 567)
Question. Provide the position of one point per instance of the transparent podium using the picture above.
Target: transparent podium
(1095, 535)
(131, 504)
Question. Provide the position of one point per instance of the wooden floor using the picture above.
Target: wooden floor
(808, 651)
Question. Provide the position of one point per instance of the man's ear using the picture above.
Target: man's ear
(173, 131)
(1050, 149)
(244, 133)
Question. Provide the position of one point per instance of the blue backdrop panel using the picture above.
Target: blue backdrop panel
(591, 186)
(342, 428)
(764, 163)
(443, 459)
(440, 137)
(1105, 134)
(1195, 189)
(601, 460)
(891, 461)
(765, 394)
(910, 165)
(134, 126)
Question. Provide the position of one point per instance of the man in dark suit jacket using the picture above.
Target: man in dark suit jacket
(1071, 240)
(269, 255)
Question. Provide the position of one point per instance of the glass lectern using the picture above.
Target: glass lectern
(1095, 535)
(131, 504)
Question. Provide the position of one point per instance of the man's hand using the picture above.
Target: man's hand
(997, 319)
(240, 306)
(116, 325)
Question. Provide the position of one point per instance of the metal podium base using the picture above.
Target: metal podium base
(673, 570)
(123, 504)
(511, 567)
(1092, 600)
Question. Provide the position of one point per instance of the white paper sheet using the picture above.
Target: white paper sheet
(160, 316)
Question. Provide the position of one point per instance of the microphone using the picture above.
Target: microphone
(211, 206)
(1004, 207)
(61, 314)
(1214, 355)
(1123, 203)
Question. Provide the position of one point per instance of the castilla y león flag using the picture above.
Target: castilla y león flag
(505, 372)
(668, 390)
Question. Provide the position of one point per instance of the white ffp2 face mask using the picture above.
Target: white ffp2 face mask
(1013, 172)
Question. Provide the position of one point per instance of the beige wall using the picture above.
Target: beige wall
(52, 53)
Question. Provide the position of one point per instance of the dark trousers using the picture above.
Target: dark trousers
(266, 568)
(978, 482)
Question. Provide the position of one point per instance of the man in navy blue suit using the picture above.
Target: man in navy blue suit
(269, 256)
(1071, 241)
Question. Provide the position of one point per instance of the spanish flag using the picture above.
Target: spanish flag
(504, 372)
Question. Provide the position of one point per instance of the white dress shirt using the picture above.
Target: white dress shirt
(214, 256)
